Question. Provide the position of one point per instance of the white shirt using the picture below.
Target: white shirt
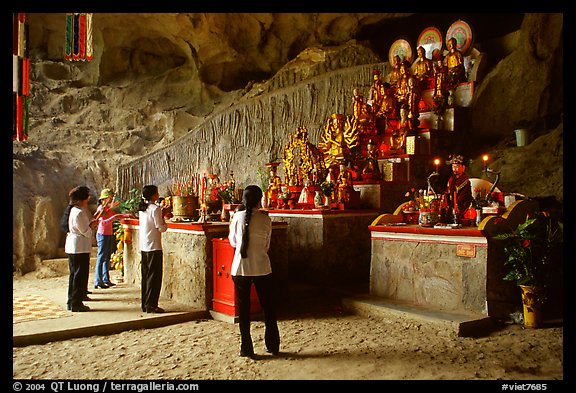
(152, 225)
(258, 262)
(79, 237)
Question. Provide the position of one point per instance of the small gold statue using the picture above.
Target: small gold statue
(402, 88)
(274, 185)
(422, 68)
(371, 170)
(376, 91)
(344, 182)
(413, 99)
(394, 75)
(454, 64)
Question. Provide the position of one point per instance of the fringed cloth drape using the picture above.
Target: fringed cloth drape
(78, 37)
(20, 77)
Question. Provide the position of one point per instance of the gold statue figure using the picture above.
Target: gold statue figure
(376, 91)
(371, 169)
(363, 118)
(422, 68)
(344, 182)
(274, 185)
(338, 139)
(301, 158)
(454, 64)
(394, 75)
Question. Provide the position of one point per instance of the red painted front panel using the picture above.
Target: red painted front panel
(224, 300)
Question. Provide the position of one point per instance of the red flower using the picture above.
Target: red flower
(526, 243)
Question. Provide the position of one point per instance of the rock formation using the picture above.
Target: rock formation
(157, 78)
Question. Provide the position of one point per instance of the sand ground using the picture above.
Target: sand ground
(319, 341)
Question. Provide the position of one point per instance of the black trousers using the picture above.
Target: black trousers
(151, 269)
(267, 297)
(79, 268)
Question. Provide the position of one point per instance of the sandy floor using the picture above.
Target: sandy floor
(319, 342)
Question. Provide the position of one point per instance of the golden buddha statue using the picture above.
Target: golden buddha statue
(422, 68)
(454, 64)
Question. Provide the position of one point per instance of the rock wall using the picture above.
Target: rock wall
(158, 77)
(249, 134)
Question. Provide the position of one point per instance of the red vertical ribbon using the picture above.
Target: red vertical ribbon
(82, 37)
(19, 112)
(21, 74)
(26, 77)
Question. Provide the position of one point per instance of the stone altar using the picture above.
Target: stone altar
(188, 268)
(327, 247)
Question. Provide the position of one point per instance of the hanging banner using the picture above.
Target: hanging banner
(89, 53)
(78, 46)
(20, 77)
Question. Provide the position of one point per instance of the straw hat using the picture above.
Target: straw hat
(106, 193)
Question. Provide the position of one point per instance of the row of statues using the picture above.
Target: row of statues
(393, 109)
(339, 182)
(398, 97)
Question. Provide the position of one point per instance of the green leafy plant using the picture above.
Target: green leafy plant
(264, 179)
(530, 249)
(130, 205)
(226, 192)
(327, 187)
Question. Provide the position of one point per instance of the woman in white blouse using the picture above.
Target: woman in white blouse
(250, 233)
(78, 246)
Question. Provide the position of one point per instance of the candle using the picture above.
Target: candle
(204, 186)
(485, 159)
(436, 162)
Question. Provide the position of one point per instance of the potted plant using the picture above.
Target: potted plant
(532, 251)
(327, 188)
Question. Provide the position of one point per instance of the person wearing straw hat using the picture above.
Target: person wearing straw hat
(105, 237)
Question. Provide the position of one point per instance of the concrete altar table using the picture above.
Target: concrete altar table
(439, 268)
(188, 266)
(459, 270)
(327, 247)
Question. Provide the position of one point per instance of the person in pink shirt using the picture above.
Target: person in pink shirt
(105, 237)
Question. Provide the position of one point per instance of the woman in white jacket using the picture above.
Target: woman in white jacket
(152, 225)
(78, 246)
(250, 233)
